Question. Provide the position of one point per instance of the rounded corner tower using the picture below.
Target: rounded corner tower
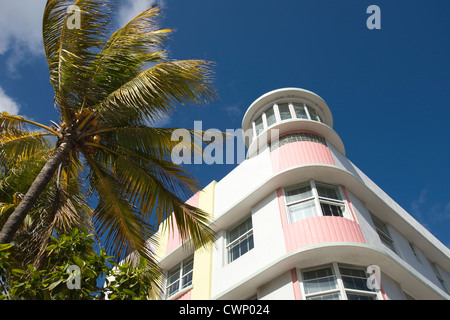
(297, 220)
(285, 111)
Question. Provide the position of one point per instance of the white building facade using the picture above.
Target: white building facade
(297, 220)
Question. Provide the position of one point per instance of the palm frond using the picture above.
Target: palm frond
(154, 92)
(10, 124)
(156, 186)
(22, 145)
(116, 220)
(70, 51)
(127, 52)
(157, 142)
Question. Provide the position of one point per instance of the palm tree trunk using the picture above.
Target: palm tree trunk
(44, 177)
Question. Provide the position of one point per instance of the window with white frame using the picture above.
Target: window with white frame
(180, 277)
(284, 111)
(336, 282)
(270, 117)
(300, 110)
(310, 199)
(259, 125)
(296, 137)
(383, 232)
(240, 239)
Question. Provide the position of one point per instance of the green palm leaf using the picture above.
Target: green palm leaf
(109, 86)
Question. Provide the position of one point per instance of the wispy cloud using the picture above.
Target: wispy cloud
(417, 204)
(21, 27)
(7, 103)
(233, 111)
(131, 8)
(21, 31)
(430, 213)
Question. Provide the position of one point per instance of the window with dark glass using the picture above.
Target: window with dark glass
(270, 116)
(354, 281)
(331, 201)
(180, 277)
(383, 233)
(259, 125)
(285, 112)
(240, 240)
(313, 114)
(294, 137)
(299, 109)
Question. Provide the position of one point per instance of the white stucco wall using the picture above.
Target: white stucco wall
(280, 288)
(268, 246)
(236, 185)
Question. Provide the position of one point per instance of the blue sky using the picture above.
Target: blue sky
(388, 89)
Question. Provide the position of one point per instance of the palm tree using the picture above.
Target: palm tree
(108, 91)
(22, 155)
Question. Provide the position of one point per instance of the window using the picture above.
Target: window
(295, 137)
(240, 240)
(285, 112)
(312, 199)
(320, 284)
(300, 202)
(312, 114)
(180, 277)
(383, 233)
(336, 282)
(270, 116)
(331, 201)
(300, 111)
(259, 125)
(354, 281)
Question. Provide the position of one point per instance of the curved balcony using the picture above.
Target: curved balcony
(268, 136)
(320, 230)
(323, 253)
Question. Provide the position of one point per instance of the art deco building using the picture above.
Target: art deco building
(298, 220)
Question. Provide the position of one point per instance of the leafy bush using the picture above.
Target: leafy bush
(99, 276)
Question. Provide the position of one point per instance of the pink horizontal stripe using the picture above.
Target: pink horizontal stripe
(316, 230)
(300, 153)
(322, 229)
(183, 296)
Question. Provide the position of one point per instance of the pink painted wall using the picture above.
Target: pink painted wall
(183, 296)
(300, 153)
(316, 230)
(174, 240)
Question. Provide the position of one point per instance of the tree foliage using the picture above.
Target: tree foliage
(104, 164)
(100, 276)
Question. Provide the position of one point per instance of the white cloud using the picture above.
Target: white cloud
(430, 214)
(131, 8)
(21, 30)
(418, 203)
(233, 111)
(21, 27)
(7, 104)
